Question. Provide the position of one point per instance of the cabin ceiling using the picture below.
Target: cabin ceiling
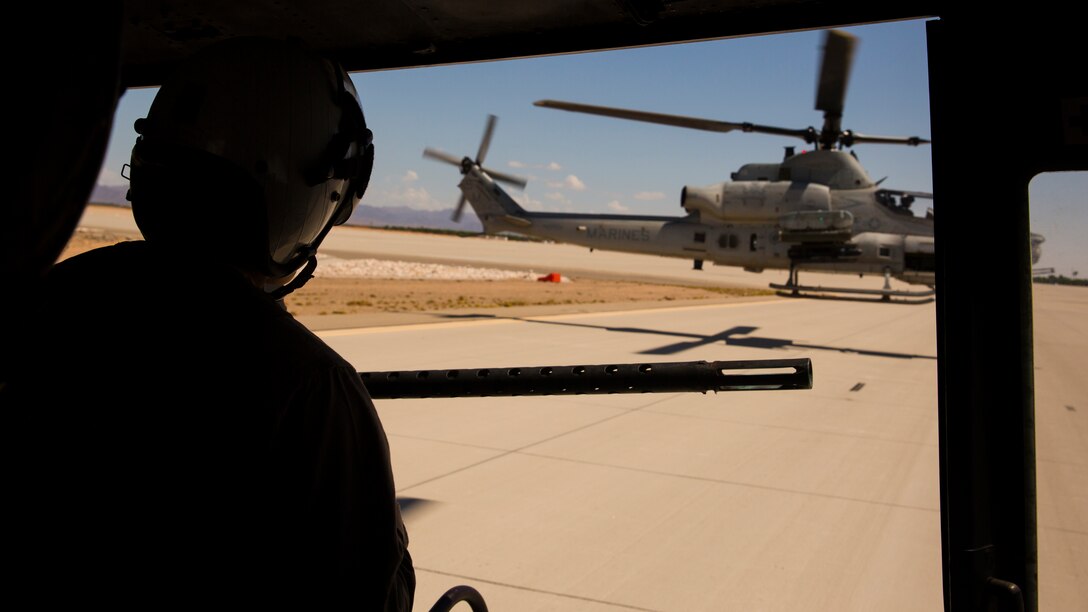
(412, 33)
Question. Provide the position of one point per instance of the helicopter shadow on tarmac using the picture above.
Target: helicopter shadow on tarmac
(738, 335)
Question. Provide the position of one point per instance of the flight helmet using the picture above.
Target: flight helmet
(251, 152)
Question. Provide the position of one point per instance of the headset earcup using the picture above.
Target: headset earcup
(356, 187)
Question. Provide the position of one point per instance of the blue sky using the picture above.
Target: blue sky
(584, 163)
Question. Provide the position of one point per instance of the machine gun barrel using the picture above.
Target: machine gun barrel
(672, 377)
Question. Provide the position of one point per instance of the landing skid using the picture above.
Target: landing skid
(883, 295)
(793, 288)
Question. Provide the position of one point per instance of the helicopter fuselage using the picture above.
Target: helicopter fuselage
(817, 211)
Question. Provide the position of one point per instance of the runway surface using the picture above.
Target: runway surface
(1060, 328)
(821, 499)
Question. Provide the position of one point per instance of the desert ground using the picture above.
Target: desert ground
(361, 295)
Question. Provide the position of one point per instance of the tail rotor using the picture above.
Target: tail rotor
(469, 165)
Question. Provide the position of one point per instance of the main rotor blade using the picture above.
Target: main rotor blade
(441, 156)
(620, 113)
(694, 123)
(486, 142)
(835, 71)
(904, 140)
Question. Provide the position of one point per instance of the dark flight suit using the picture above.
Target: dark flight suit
(178, 437)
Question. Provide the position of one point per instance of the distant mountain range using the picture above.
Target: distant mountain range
(373, 216)
(109, 194)
(402, 216)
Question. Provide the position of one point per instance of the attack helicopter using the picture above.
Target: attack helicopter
(815, 210)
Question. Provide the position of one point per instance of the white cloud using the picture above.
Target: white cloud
(571, 182)
(616, 206)
(556, 203)
(410, 177)
(412, 197)
(547, 166)
(526, 202)
(650, 195)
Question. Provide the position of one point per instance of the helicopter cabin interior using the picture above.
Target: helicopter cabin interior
(1008, 102)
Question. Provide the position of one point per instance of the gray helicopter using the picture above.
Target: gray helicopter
(817, 210)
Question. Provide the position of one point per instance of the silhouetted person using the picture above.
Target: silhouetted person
(176, 435)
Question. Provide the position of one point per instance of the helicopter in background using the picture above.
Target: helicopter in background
(815, 210)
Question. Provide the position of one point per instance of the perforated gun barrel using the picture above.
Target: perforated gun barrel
(672, 377)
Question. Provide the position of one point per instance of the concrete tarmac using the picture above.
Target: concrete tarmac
(821, 499)
(1060, 327)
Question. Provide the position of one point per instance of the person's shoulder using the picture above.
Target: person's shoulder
(298, 364)
(307, 350)
(97, 268)
(128, 250)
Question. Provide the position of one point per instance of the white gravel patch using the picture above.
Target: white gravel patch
(334, 267)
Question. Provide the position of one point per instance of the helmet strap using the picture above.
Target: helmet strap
(299, 280)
